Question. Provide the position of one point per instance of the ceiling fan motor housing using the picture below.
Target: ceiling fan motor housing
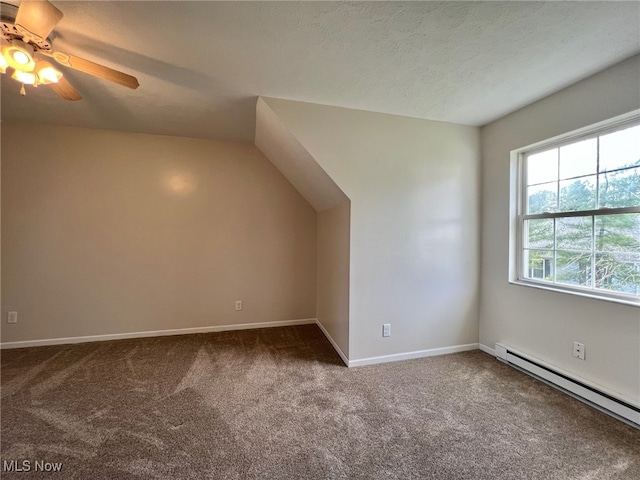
(9, 30)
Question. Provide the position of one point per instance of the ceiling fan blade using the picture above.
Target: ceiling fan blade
(66, 90)
(94, 69)
(37, 17)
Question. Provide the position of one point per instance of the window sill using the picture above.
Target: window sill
(576, 292)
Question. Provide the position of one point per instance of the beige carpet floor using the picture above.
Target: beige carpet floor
(279, 404)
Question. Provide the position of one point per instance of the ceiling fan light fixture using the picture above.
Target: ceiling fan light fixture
(25, 40)
(19, 55)
(27, 78)
(46, 73)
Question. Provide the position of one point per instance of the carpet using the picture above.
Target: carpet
(278, 403)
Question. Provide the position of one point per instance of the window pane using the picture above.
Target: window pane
(542, 198)
(578, 194)
(620, 149)
(579, 185)
(620, 189)
(618, 233)
(579, 159)
(542, 167)
(538, 264)
(619, 272)
(574, 233)
(538, 233)
(573, 268)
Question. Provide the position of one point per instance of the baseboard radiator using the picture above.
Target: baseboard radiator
(605, 402)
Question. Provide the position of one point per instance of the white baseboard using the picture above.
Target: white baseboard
(154, 333)
(411, 355)
(247, 326)
(335, 346)
(486, 349)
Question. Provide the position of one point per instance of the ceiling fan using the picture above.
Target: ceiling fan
(26, 35)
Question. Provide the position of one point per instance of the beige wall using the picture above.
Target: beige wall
(332, 300)
(106, 232)
(541, 323)
(414, 191)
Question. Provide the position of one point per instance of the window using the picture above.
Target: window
(578, 213)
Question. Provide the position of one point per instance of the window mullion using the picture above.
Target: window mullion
(593, 251)
(558, 183)
(555, 256)
(520, 242)
(583, 213)
(597, 172)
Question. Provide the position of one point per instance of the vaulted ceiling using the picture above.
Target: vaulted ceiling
(201, 65)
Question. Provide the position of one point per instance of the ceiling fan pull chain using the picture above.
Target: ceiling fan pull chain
(22, 90)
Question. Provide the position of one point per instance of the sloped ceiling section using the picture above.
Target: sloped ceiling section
(294, 162)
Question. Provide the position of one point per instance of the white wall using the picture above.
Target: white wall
(414, 191)
(108, 232)
(294, 162)
(541, 323)
(332, 299)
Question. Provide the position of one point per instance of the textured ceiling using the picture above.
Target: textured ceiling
(201, 65)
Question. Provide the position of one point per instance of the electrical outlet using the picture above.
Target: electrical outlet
(578, 350)
(12, 317)
(386, 329)
(238, 305)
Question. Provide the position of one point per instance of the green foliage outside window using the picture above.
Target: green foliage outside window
(574, 246)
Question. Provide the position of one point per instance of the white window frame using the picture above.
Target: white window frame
(518, 202)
